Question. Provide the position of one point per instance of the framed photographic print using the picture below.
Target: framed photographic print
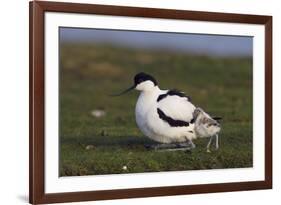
(139, 102)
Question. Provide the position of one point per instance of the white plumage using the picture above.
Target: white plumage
(167, 116)
(177, 107)
(157, 129)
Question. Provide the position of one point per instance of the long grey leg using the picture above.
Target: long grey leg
(161, 146)
(170, 147)
(209, 144)
(192, 144)
(217, 141)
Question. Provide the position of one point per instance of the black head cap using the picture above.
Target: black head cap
(141, 77)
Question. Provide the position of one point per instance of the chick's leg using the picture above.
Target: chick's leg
(217, 141)
(209, 144)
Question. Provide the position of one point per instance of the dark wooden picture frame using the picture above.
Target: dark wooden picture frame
(37, 105)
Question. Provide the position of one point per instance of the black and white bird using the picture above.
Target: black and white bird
(165, 116)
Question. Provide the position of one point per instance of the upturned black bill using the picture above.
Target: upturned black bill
(123, 92)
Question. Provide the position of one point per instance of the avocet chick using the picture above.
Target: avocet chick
(206, 126)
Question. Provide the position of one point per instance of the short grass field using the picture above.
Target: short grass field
(112, 144)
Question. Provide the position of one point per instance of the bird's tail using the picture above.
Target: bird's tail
(217, 118)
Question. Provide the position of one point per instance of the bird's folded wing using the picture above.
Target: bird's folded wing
(176, 107)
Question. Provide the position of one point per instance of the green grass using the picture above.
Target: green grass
(88, 73)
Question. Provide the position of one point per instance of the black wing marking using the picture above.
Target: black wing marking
(173, 92)
(217, 118)
(172, 122)
(192, 120)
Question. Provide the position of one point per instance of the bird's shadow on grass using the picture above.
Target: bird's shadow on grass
(109, 141)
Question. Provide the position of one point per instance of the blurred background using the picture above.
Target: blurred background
(98, 133)
(211, 45)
